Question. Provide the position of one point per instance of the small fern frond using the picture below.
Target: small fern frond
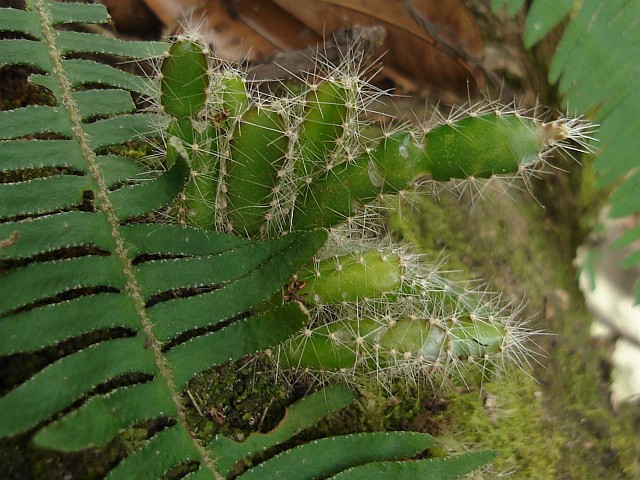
(305, 413)
(335, 454)
(596, 67)
(436, 468)
(371, 455)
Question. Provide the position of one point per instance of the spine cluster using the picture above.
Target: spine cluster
(264, 163)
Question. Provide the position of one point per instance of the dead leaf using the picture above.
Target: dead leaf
(411, 50)
(170, 12)
(431, 42)
(239, 30)
(131, 16)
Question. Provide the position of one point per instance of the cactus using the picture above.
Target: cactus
(380, 312)
(264, 164)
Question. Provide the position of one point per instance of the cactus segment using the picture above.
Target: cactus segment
(183, 95)
(257, 156)
(476, 339)
(347, 278)
(200, 191)
(337, 196)
(324, 114)
(398, 161)
(412, 324)
(483, 146)
(323, 349)
(371, 346)
(180, 133)
(184, 79)
(233, 94)
(196, 206)
(480, 146)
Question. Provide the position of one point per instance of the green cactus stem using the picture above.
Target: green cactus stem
(382, 311)
(324, 114)
(383, 271)
(347, 278)
(374, 346)
(233, 95)
(483, 146)
(257, 156)
(264, 164)
(180, 134)
(480, 146)
(184, 79)
(200, 191)
(184, 83)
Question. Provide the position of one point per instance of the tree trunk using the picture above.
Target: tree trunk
(556, 422)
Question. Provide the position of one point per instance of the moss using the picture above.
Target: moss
(563, 426)
(506, 418)
(21, 459)
(235, 400)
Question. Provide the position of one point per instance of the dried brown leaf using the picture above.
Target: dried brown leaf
(170, 12)
(434, 42)
(449, 59)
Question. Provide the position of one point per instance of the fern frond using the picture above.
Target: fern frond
(305, 413)
(147, 305)
(334, 454)
(596, 67)
(434, 468)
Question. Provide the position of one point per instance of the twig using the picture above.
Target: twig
(361, 42)
(195, 404)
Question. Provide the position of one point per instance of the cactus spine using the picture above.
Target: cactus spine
(264, 164)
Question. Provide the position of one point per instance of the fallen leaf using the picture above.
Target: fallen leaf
(443, 61)
(430, 42)
(131, 16)
(170, 12)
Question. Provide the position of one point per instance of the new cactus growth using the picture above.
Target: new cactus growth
(482, 146)
(184, 79)
(265, 164)
(347, 278)
(324, 115)
(413, 324)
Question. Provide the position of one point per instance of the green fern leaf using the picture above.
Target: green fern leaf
(542, 16)
(431, 468)
(303, 414)
(334, 454)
